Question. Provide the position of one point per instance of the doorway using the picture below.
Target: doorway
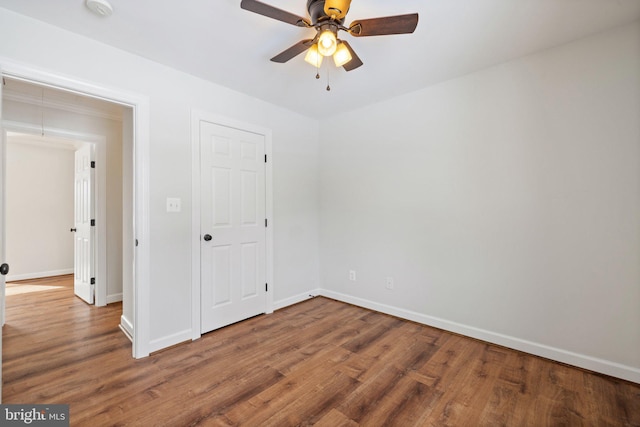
(42, 210)
(38, 206)
(53, 119)
(135, 297)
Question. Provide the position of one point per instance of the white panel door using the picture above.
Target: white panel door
(232, 224)
(83, 208)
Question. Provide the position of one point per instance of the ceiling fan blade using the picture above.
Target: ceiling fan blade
(293, 51)
(274, 13)
(355, 60)
(400, 24)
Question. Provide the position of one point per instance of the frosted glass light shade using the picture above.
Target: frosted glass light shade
(342, 55)
(313, 57)
(327, 43)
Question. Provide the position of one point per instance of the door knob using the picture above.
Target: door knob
(73, 230)
(4, 269)
(207, 237)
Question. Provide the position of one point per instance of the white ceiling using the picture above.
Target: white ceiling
(218, 41)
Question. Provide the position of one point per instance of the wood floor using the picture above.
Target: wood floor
(320, 362)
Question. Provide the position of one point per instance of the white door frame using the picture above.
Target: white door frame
(196, 117)
(140, 106)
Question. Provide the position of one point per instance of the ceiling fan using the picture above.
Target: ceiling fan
(327, 18)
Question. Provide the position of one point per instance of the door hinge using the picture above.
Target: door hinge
(266, 287)
(93, 280)
(265, 222)
(136, 242)
(93, 222)
(93, 164)
(265, 158)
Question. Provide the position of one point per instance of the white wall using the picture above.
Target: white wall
(505, 204)
(172, 95)
(39, 210)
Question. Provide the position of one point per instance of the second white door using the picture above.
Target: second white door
(83, 283)
(233, 225)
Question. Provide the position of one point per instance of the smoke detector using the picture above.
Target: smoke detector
(100, 7)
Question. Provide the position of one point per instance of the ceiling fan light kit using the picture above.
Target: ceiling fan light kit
(327, 18)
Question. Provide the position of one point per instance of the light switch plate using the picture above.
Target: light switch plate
(173, 204)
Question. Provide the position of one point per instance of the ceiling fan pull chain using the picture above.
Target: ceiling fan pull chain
(328, 87)
(318, 63)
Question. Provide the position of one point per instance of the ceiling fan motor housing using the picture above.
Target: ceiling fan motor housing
(337, 8)
(320, 10)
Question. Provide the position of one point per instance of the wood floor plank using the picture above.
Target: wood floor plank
(335, 418)
(314, 402)
(511, 396)
(410, 403)
(312, 377)
(320, 362)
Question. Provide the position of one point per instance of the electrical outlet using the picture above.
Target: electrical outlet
(389, 283)
(352, 275)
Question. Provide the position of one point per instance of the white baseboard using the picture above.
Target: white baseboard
(127, 327)
(114, 298)
(187, 335)
(575, 359)
(170, 340)
(38, 275)
(277, 305)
